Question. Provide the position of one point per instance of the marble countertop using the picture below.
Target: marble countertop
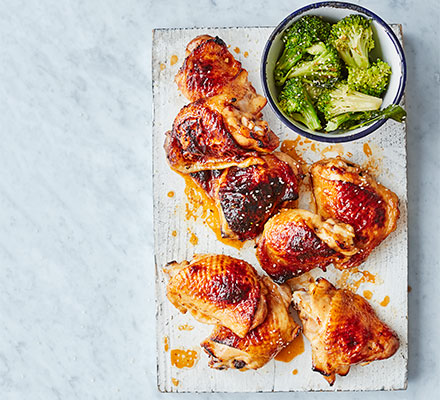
(77, 310)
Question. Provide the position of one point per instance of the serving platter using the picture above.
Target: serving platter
(183, 222)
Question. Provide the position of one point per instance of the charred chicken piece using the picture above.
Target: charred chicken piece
(218, 289)
(260, 345)
(210, 69)
(247, 197)
(346, 193)
(296, 241)
(211, 134)
(342, 328)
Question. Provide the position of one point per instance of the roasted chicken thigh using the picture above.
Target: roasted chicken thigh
(261, 344)
(218, 289)
(247, 197)
(212, 134)
(295, 241)
(347, 194)
(210, 69)
(342, 328)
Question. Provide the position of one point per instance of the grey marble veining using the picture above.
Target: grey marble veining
(76, 265)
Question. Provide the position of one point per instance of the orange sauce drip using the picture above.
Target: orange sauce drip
(292, 350)
(174, 233)
(353, 285)
(171, 194)
(409, 288)
(183, 358)
(173, 59)
(368, 295)
(193, 238)
(166, 343)
(175, 381)
(313, 147)
(237, 50)
(246, 54)
(200, 205)
(185, 327)
(290, 148)
(336, 148)
(162, 66)
(385, 301)
(295, 371)
(367, 150)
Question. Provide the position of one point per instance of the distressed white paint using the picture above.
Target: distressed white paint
(388, 261)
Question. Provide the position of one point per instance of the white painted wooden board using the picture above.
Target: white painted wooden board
(388, 261)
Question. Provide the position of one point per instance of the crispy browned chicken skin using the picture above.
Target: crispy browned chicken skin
(342, 328)
(346, 193)
(260, 345)
(247, 197)
(210, 69)
(295, 241)
(218, 289)
(223, 125)
(213, 134)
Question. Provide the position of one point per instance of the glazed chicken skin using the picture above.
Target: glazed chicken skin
(342, 328)
(260, 345)
(247, 197)
(218, 289)
(295, 241)
(210, 69)
(212, 134)
(347, 194)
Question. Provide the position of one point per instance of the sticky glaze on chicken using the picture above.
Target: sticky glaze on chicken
(342, 328)
(296, 241)
(247, 197)
(213, 134)
(218, 289)
(260, 345)
(346, 193)
(210, 69)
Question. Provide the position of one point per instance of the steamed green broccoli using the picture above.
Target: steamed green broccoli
(308, 30)
(341, 99)
(352, 36)
(295, 102)
(373, 80)
(313, 90)
(324, 67)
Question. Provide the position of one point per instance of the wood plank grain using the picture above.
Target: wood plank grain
(388, 261)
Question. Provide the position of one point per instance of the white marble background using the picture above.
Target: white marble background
(77, 307)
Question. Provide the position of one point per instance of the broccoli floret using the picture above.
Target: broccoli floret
(295, 102)
(297, 39)
(352, 121)
(341, 99)
(372, 81)
(313, 90)
(352, 36)
(324, 67)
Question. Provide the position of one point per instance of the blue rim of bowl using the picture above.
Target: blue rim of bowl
(335, 4)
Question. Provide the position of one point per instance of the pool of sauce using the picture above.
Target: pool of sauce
(185, 327)
(385, 301)
(292, 350)
(201, 206)
(181, 358)
(348, 281)
(173, 59)
(166, 343)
